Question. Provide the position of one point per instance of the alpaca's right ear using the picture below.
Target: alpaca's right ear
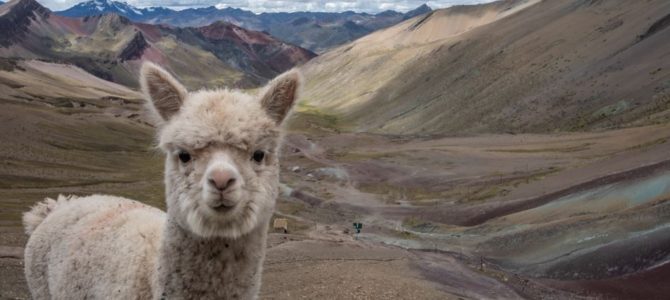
(164, 91)
(281, 94)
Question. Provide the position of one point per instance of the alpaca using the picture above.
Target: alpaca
(221, 184)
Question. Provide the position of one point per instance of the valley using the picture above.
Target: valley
(511, 150)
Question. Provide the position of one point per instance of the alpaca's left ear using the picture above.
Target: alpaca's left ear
(281, 94)
(164, 91)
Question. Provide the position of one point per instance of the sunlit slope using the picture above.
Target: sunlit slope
(507, 66)
(27, 81)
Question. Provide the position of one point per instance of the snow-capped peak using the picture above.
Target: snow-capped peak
(103, 6)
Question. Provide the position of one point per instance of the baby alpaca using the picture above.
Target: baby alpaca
(221, 184)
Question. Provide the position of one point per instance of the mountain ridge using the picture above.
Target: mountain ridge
(316, 31)
(112, 47)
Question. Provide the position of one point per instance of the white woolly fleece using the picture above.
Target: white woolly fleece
(106, 247)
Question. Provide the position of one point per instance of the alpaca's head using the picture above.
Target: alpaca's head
(221, 170)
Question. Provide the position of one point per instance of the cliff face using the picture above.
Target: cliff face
(135, 48)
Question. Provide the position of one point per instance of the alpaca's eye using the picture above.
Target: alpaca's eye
(184, 156)
(258, 155)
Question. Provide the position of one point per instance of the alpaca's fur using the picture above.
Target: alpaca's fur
(109, 247)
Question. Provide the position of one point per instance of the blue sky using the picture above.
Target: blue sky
(258, 6)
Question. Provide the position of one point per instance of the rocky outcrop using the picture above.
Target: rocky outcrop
(135, 48)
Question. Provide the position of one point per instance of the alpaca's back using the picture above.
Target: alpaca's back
(92, 247)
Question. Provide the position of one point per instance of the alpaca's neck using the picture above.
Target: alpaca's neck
(190, 267)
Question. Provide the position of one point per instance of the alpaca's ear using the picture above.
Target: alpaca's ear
(281, 94)
(164, 91)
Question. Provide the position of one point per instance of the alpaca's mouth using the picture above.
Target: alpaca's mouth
(223, 205)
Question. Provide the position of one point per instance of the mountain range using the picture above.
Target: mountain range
(316, 31)
(507, 66)
(112, 47)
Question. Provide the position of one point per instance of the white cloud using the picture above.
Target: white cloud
(258, 6)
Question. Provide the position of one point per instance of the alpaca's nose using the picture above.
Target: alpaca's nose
(221, 179)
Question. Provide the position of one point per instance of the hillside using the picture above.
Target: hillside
(507, 66)
(112, 47)
(316, 31)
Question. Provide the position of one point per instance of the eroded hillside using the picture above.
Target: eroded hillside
(508, 66)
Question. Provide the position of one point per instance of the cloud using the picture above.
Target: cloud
(258, 6)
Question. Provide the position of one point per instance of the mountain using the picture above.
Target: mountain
(507, 66)
(317, 31)
(112, 47)
(423, 9)
(244, 49)
(322, 31)
(97, 7)
(194, 17)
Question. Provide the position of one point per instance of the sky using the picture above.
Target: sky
(259, 6)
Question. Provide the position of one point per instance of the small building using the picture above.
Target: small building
(280, 224)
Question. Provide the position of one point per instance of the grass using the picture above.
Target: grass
(484, 191)
(51, 150)
(488, 192)
(403, 234)
(612, 110)
(416, 224)
(307, 118)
